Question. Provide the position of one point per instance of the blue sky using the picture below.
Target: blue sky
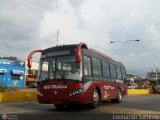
(32, 24)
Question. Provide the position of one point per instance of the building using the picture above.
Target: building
(12, 73)
(31, 74)
(131, 78)
(154, 74)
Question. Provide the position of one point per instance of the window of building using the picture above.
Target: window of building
(87, 66)
(15, 77)
(97, 69)
(106, 70)
(32, 73)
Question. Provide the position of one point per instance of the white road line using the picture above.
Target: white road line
(121, 110)
(27, 111)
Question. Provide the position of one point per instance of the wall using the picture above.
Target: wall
(12, 73)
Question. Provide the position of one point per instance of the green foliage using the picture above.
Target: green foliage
(9, 58)
(3, 88)
(153, 82)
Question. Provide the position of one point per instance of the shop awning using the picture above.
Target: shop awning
(17, 72)
(3, 70)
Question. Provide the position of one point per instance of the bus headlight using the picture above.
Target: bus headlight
(75, 92)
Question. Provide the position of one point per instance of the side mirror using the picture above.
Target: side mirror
(30, 57)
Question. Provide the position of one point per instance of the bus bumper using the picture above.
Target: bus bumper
(79, 99)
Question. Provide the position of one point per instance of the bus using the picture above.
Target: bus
(76, 74)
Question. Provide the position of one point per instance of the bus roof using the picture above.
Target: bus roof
(103, 55)
(60, 47)
(74, 46)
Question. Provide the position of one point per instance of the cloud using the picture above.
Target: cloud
(104, 21)
(28, 25)
(20, 23)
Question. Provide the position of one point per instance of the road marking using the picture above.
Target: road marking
(26, 111)
(120, 110)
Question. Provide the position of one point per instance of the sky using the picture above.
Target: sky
(26, 25)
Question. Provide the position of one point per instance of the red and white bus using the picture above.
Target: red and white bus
(76, 74)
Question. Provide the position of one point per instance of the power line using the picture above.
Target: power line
(46, 6)
(18, 26)
(21, 27)
(41, 6)
(86, 23)
(64, 18)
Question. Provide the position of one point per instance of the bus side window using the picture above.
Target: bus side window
(87, 66)
(113, 71)
(123, 74)
(106, 71)
(97, 69)
(119, 74)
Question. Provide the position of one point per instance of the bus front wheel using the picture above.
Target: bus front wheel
(96, 99)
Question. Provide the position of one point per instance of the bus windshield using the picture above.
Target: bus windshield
(59, 68)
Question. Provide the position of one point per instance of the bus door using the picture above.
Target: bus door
(108, 85)
(112, 81)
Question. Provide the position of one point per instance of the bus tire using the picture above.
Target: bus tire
(119, 97)
(59, 106)
(96, 99)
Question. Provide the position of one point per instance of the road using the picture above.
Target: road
(133, 105)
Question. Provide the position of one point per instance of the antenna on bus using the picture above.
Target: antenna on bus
(57, 37)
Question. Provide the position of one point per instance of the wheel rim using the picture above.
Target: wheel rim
(119, 95)
(95, 97)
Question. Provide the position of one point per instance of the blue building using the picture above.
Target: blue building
(12, 73)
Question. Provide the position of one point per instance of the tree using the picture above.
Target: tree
(9, 57)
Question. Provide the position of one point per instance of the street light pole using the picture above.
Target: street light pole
(124, 44)
(156, 76)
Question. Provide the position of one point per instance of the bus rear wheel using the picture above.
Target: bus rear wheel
(96, 99)
(119, 97)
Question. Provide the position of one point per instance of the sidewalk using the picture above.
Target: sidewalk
(15, 89)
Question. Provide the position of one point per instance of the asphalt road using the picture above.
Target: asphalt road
(131, 105)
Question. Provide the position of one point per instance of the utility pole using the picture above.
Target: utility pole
(57, 37)
(124, 44)
(156, 75)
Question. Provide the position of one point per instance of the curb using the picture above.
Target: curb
(32, 95)
(18, 96)
(139, 91)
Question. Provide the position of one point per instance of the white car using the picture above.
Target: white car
(133, 86)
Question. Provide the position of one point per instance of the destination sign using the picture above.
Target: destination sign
(58, 53)
(55, 87)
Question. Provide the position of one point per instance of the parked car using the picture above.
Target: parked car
(133, 86)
